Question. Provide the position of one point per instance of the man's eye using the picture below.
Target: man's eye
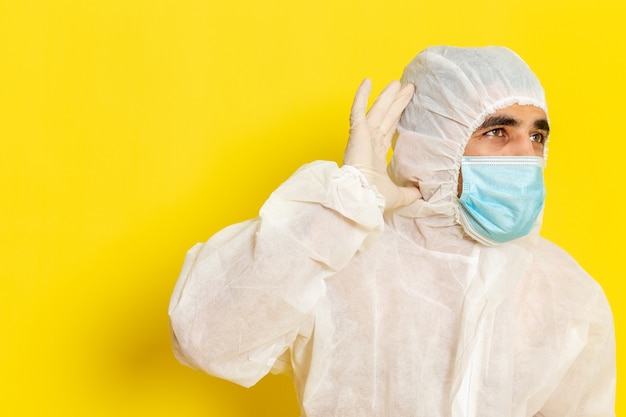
(495, 132)
(537, 137)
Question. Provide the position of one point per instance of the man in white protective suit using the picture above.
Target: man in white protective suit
(421, 288)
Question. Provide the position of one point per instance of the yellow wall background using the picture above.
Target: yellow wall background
(130, 130)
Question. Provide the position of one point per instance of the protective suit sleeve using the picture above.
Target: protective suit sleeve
(588, 387)
(244, 296)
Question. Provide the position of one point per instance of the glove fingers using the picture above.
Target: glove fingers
(389, 123)
(383, 103)
(358, 147)
(359, 105)
(390, 131)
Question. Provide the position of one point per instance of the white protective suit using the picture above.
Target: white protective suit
(402, 314)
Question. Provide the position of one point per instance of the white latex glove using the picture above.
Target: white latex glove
(371, 133)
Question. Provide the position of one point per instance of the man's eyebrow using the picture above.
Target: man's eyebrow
(543, 125)
(509, 121)
(498, 121)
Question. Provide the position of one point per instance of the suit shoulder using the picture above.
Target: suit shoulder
(557, 271)
(551, 257)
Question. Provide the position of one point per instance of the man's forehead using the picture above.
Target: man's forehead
(521, 108)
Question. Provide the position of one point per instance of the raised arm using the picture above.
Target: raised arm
(244, 296)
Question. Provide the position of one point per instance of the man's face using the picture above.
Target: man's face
(513, 131)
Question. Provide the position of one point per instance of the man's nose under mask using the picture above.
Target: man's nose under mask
(502, 196)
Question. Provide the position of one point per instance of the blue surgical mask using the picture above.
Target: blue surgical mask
(502, 196)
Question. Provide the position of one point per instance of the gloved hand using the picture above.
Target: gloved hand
(370, 139)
